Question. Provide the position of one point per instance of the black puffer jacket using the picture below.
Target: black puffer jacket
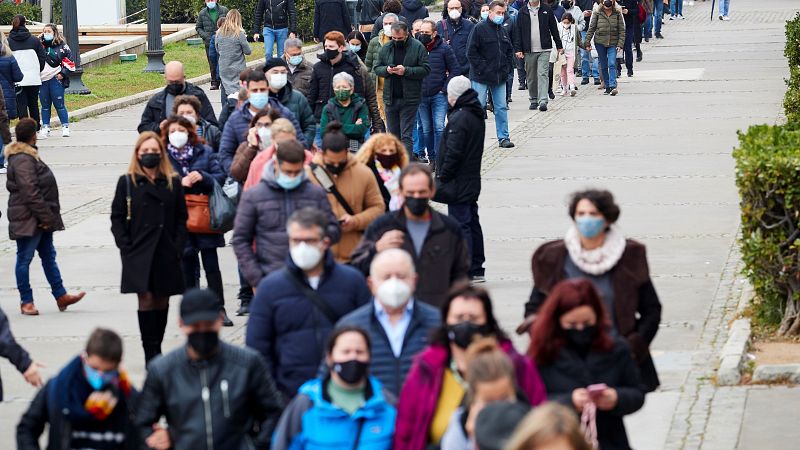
(275, 14)
(458, 169)
(490, 54)
(331, 15)
(240, 394)
(413, 10)
(368, 11)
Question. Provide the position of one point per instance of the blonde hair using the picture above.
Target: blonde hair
(6, 50)
(164, 167)
(232, 25)
(367, 152)
(281, 125)
(544, 424)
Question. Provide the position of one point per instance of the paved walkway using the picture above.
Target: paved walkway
(662, 146)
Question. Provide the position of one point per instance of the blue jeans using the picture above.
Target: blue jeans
(500, 106)
(724, 7)
(586, 60)
(41, 242)
(647, 28)
(608, 64)
(676, 7)
(271, 37)
(416, 137)
(2, 155)
(52, 94)
(431, 113)
(658, 15)
(466, 214)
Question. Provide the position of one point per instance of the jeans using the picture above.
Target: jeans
(416, 136)
(658, 15)
(587, 61)
(536, 67)
(628, 48)
(608, 64)
(271, 37)
(400, 121)
(647, 28)
(52, 94)
(41, 242)
(213, 64)
(724, 7)
(500, 106)
(28, 103)
(509, 85)
(521, 75)
(2, 155)
(676, 7)
(432, 112)
(466, 214)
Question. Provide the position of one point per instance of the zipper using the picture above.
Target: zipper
(206, 395)
(223, 386)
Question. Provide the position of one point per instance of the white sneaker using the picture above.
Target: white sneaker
(44, 133)
(3, 170)
(726, 18)
(64, 131)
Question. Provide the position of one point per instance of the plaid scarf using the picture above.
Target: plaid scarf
(182, 156)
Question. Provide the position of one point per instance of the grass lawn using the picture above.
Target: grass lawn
(122, 79)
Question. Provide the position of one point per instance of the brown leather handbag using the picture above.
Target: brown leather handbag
(199, 220)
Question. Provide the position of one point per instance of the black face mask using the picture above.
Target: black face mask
(176, 88)
(462, 334)
(387, 161)
(567, 4)
(581, 340)
(351, 372)
(399, 44)
(335, 170)
(424, 38)
(608, 3)
(417, 206)
(150, 160)
(205, 343)
(331, 54)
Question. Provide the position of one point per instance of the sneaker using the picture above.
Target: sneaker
(680, 16)
(726, 18)
(543, 106)
(65, 131)
(44, 133)
(659, 36)
(522, 87)
(596, 82)
(585, 81)
(630, 73)
(671, 17)
(477, 279)
(3, 170)
(533, 106)
(720, 17)
(614, 92)
(573, 91)
(607, 91)
(509, 100)
(506, 143)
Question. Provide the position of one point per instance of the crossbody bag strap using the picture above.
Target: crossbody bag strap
(333, 190)
(360, 427)
(128, 199)
(313, 295)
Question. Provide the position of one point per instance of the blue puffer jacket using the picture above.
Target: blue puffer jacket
(312, 422)
(10, 73)
(456, 34)
(238, 124)
(444, 66)
(204, 161)
(289, 330)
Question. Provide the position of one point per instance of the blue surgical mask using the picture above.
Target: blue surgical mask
(211, 5)
(484, 15)
(97, 379)
(354, 48)
(48, 37)
(287, 182)
(259, 99)
(590, 227)
(295, 60)
(498, 20)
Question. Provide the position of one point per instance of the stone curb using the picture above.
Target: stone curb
(733, 353)
(141, 97)
(777, 373)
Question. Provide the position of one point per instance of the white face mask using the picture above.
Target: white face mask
(178, 138)
(264, 137)
(277, 80)
(305, 256)
(454, 14)
(387, 30)
(190, 119)
(394, 293)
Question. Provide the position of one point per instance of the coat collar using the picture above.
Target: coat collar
(17, 148)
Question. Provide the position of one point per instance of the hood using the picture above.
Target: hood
(412, 5)
(269, 176)
(355, 98)
(20, 34)
(469, 101)
(21, 147)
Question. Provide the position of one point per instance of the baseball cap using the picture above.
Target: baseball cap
(199, 305)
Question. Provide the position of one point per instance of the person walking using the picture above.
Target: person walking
(277, 72)
(17, 356)
(148, 197)
(188, 107)
(299, 67)
(55, 78)
(330, 15)
(385, 155)
(232, 47)
(607, 31)
(89, 404)
(658, 18)
(379, 39)
(589, 63)
(295, 308)
(29, 53)
(583, 364)
(275, 20)
(159, 107)
(676, 9)
(348, 409)
(455, 31)
(594, 248)
(571, 40)
(206, 26)
(647, 26)
(34, 214)
(10, 75)
(458, 174)
(535, 31)
(211, 393)
(403, 65)
(633, 33)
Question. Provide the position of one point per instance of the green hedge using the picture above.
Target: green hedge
(768, 179)
(791, 101)
(9, 10)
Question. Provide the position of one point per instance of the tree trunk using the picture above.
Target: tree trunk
(790, 324)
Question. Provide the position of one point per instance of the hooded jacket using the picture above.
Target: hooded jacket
(275, 14)
(413, 10)
(29, 53)
(606, 30)
(458, 174)
(33, 203)
(259, 232)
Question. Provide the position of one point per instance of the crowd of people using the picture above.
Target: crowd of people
(367, 327)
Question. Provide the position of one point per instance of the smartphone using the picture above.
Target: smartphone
(392, 66)
(596, 390)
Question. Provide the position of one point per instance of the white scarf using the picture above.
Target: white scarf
(599, 260)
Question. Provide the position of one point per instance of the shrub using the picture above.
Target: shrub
(9, 10)
(768, 179)
(791, 101)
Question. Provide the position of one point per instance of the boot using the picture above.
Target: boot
(215, 285)
(638, 52)
(149, 322)
(68, 299)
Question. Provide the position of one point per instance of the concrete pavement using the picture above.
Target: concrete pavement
(662, 146)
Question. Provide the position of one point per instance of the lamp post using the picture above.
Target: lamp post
(155, 47)
(69, 17)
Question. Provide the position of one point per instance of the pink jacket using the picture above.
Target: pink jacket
(417, 403)
(261, 160)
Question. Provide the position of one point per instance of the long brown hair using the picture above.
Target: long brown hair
(547, 338)
(57, 39)
(164, 167)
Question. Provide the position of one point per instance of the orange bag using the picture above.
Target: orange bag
(199, 220)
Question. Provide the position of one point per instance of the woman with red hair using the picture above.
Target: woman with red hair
(584, 364)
